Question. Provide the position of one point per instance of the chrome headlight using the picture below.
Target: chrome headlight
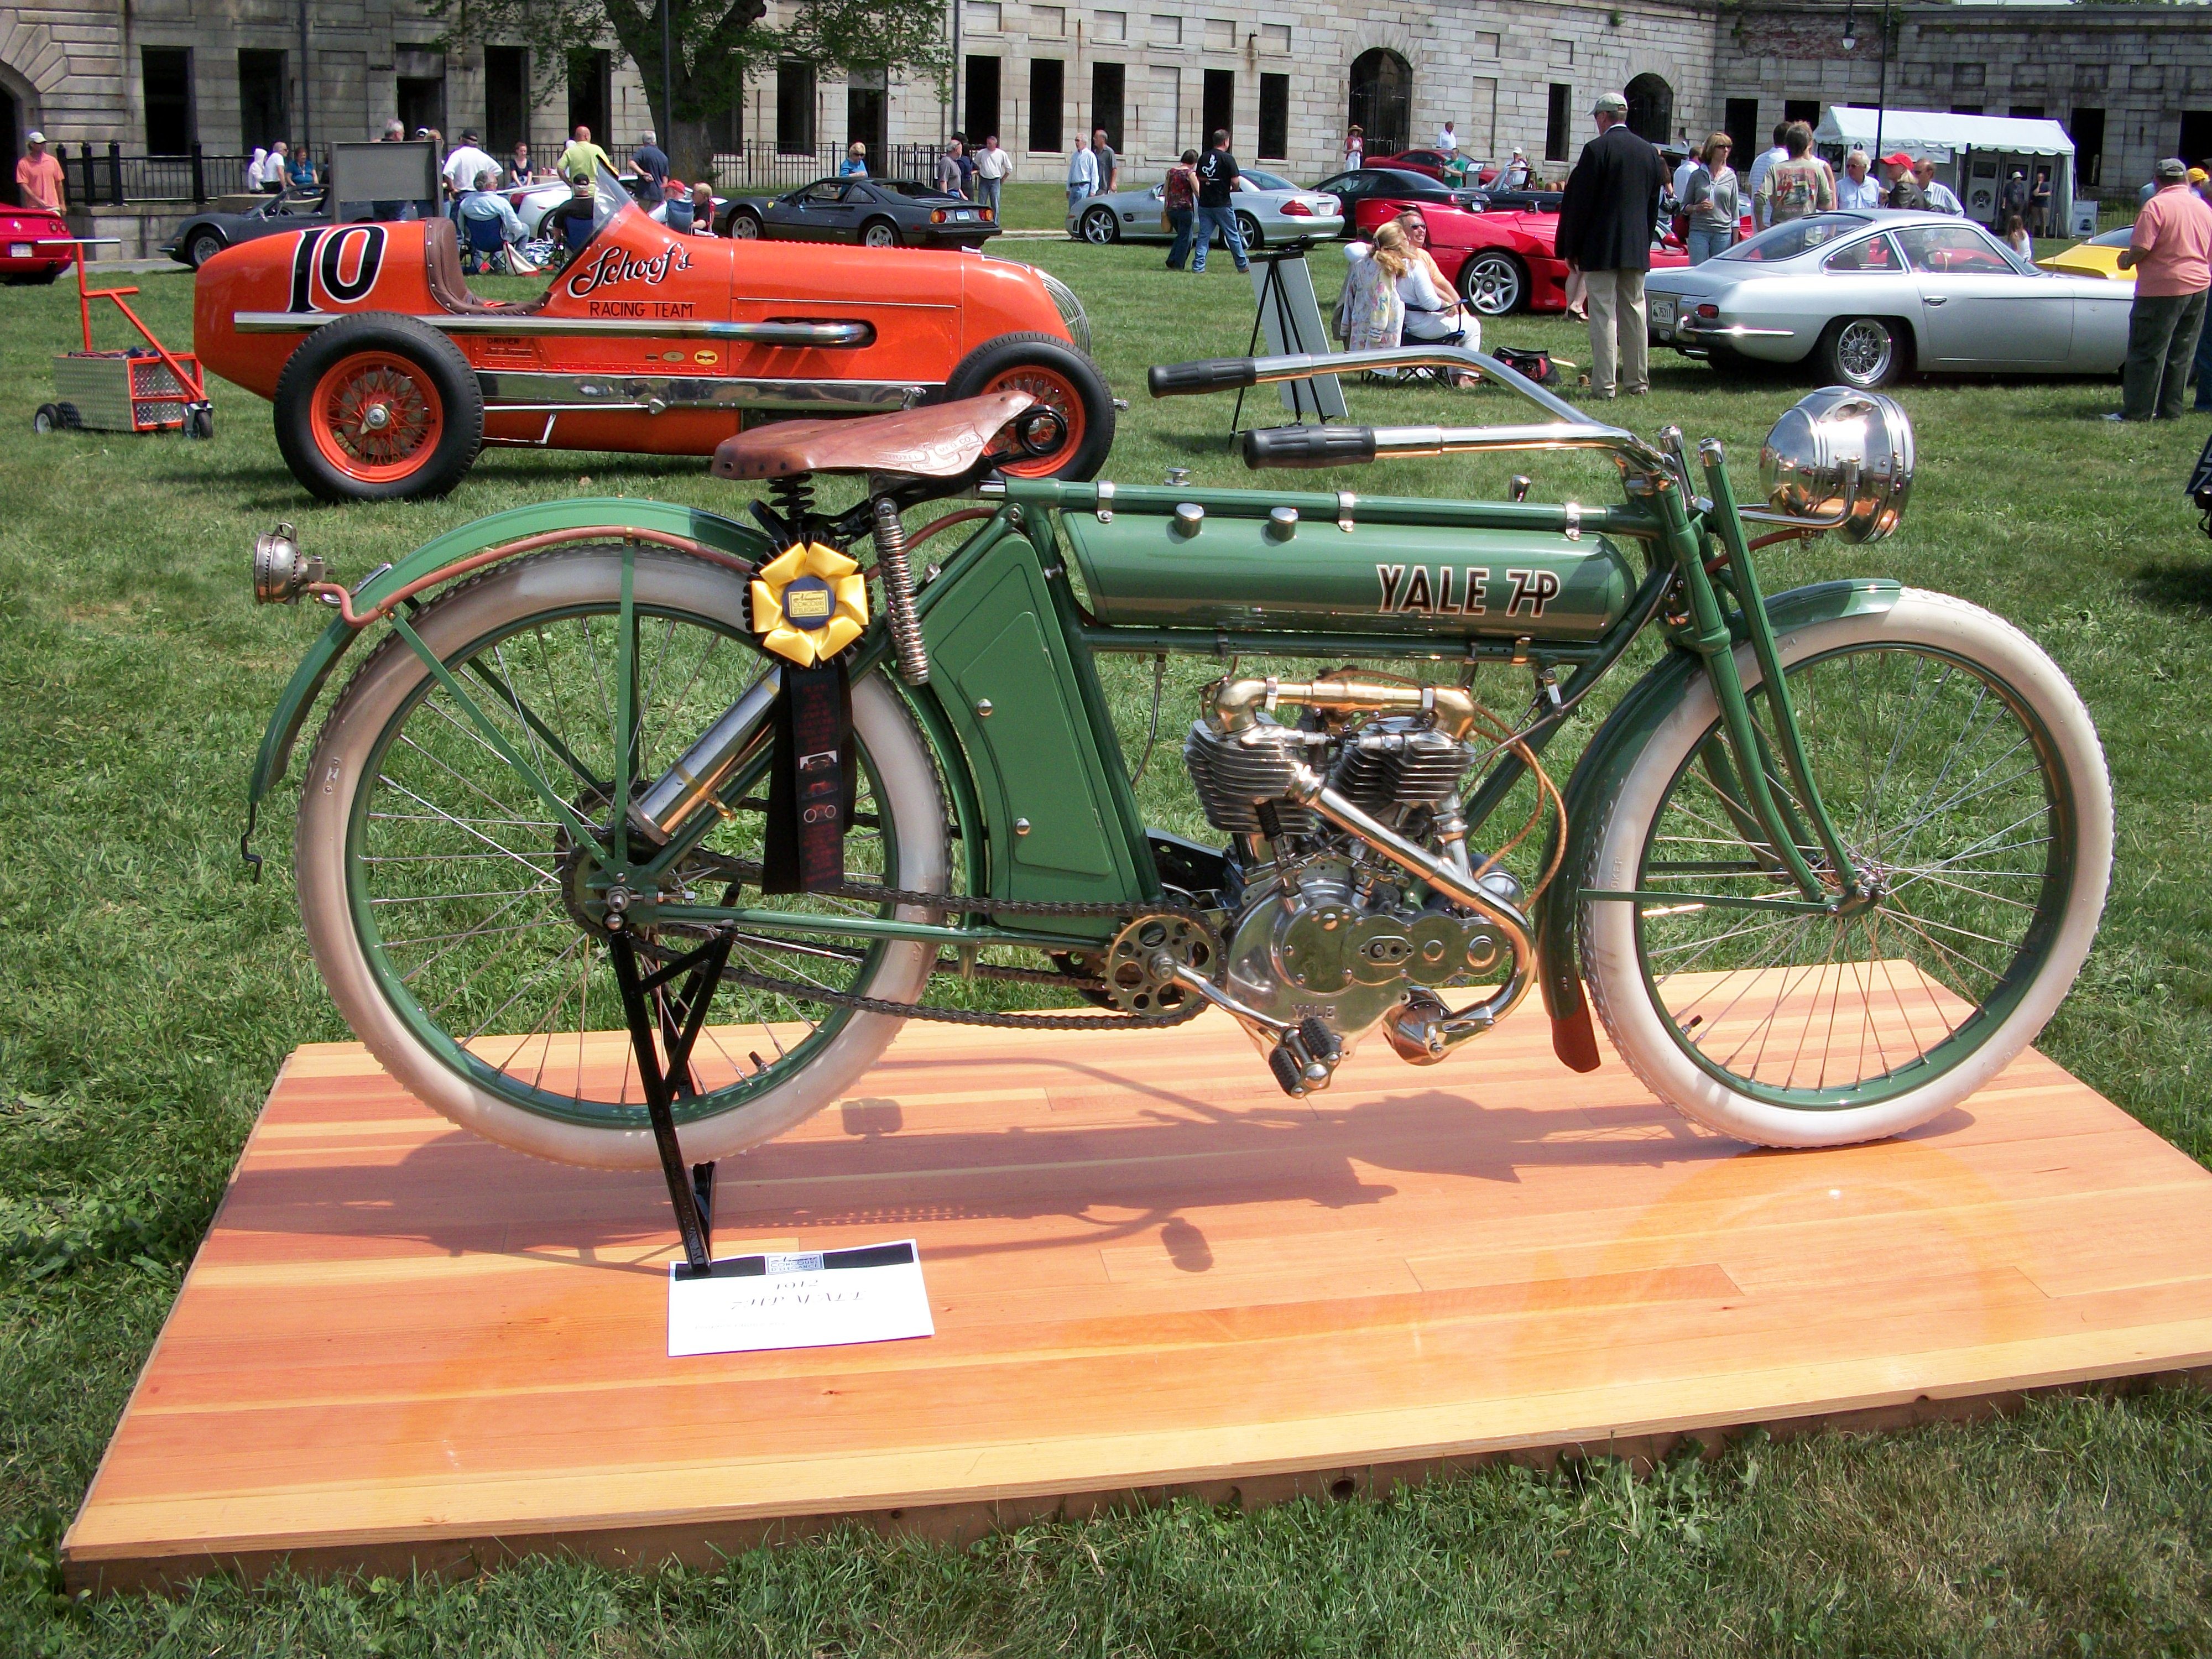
(1070, 309)
(1801, 465)
(281, 572)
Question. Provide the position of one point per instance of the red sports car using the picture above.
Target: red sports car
(32, 246)
(1437, 165)
(1500, 261)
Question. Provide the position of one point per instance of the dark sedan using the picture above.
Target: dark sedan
(206, 233)
(1368, 183)
(872, 212)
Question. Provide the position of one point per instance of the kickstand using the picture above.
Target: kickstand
(682, 1017)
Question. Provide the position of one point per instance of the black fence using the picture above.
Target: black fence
(110, 178)
(764, 166)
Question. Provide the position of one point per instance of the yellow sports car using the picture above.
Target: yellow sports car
(2098, 257)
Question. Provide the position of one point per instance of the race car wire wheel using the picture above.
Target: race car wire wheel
(374, 417)
(1057, 376)
(379, 407)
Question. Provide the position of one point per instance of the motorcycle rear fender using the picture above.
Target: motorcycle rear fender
(517, 524)
(1612, 751)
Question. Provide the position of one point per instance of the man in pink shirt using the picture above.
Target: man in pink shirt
(39, 175)
(2171, 253)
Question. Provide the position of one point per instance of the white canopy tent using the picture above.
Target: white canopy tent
(1973, 154)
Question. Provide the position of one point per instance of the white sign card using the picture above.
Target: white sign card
(805, 1299)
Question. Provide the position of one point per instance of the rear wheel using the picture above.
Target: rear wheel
(456, 923)
(379, 407)
(1057, 375)
(45, 419)
(1099, 226)
(1493, 283)
(1248, 232)
(1865, 352)
(879, 233)
(1967, 783)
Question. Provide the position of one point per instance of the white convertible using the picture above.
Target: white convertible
(1867, 296)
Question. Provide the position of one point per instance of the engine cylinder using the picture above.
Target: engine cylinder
(1234, 772)
(1398, 761)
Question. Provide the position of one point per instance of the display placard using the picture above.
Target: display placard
(799, 1299)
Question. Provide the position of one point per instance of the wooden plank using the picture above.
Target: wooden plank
(1149, 1271)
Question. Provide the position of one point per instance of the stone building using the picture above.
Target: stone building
(155, 77)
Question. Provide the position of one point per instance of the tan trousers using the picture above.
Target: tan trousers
(1619, 338)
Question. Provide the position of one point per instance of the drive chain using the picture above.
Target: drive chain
(868, 893)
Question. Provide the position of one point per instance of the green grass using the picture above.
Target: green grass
(148, 991)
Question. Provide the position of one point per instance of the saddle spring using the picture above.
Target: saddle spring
(898, 576)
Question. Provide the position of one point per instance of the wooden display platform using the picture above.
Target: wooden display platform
(1150, 1272)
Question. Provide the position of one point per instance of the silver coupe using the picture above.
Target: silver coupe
(1269, 209)
(1867, 296)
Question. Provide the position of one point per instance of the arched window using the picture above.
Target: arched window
(1382, 99)
(1650, 109)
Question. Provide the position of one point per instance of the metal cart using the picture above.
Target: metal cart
(143, 388)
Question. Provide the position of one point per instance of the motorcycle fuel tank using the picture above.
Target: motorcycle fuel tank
(1187, 566)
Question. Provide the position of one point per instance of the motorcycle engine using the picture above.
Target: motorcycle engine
(1321, 924)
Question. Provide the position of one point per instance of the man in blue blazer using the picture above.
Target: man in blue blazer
(1606, 222)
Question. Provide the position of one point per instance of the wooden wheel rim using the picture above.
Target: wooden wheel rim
(1058, 393)
(376, 417)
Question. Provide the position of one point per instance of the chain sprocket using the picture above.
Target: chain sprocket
(1141, 961)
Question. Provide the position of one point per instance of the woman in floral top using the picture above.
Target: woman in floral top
(1179, 199)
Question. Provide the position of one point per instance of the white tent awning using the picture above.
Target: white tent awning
(1939, 135)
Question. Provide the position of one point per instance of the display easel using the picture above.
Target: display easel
(1289, 313)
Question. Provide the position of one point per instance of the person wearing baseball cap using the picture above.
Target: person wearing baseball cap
(2171, 253)
(39, 176)
(1903, 191)
(1605, 217)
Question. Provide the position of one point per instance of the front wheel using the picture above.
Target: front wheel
(379, 407)
(1967, 786)
(462, 932)
(744, 226)
(1100, 227)
(203, 246)
(1057, 375)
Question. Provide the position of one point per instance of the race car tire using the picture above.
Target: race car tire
(880, 233)
(744, 226)
(1056, 373)
(203, 246)
(1099, 228)
(1494, 282)
(376, 408)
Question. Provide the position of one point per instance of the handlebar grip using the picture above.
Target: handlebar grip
(1188, 380)
(1308, 446)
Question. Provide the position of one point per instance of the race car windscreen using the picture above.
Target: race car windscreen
(609, 199)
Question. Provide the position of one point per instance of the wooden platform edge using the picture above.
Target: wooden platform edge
(702, 1542)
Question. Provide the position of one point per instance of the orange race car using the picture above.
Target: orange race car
(388, 376)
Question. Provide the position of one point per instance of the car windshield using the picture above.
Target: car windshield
(1267, 181)
(1787, 241)
(609, 197)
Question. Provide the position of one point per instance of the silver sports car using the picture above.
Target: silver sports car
(1870, 296)
(1269, 209)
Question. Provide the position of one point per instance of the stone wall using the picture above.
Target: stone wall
(2145, 68)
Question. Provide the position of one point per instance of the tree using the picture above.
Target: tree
(715, 46)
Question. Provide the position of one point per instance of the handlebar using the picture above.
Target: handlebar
(1308, 446)
(1190, 379)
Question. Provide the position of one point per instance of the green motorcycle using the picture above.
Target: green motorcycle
(1824, 870)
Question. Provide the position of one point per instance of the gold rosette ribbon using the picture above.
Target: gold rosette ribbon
(809, 603)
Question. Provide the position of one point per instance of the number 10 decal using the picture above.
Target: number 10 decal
(339, 251)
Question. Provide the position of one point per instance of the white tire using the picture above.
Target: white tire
(906, 786)
(1644, 1034)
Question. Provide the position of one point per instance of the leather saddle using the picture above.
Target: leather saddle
(940, 441)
